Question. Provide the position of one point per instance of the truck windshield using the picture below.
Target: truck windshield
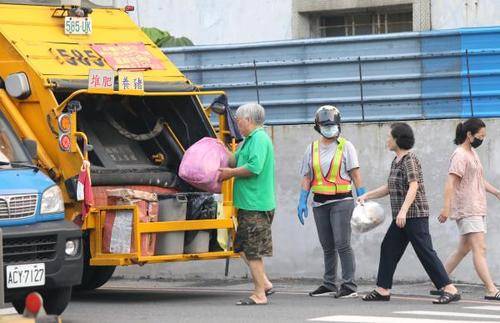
(85, 3)
(10, 146)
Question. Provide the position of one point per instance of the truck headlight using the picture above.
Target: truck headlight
(72, 247)
(52, 201)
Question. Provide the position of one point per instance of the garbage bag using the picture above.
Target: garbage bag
(367, 216)
(200, 206)
(201, 162)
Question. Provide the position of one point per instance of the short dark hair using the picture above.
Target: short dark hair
(403, 134)
(473, 125)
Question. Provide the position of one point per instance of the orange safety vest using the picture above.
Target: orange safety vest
(333, 183)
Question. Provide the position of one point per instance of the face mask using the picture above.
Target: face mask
(476, 143)
(329, 131)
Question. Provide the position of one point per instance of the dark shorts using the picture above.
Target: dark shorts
(253, 236)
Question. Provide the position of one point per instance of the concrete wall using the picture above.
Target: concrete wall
(239, 21)
(298, 253)
(216, 22)
(465, 13)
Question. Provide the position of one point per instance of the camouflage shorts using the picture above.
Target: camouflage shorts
(253, 236)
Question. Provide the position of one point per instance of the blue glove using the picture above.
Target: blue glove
(302, 208)
(360, 191)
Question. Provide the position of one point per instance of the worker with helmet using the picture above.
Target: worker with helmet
(329, 167)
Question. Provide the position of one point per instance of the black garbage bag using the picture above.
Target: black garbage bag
(201, 206)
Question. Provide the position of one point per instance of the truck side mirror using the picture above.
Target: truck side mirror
(32, 148)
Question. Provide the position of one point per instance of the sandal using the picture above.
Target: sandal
(376, 296)
(436, 292)
(269, 291)
(493, 298)
(248, 301)
(447, 298)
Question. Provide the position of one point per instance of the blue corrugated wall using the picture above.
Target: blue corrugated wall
(372, 78)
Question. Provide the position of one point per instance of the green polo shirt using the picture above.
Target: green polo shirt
(256, 192)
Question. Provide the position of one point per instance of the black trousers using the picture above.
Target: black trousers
(416, 232)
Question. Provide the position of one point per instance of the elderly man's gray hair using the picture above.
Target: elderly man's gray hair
(253, 111)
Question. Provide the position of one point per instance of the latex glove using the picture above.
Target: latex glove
(302, 208)
(360, 191)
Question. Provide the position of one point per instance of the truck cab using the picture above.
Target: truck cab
(41, 250)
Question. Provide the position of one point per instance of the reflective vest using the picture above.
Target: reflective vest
(333, 183)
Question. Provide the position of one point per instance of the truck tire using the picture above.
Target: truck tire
(55, 301)
(93, 276)
(18, 305)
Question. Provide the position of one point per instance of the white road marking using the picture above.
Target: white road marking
(383, 319)
(8, 311)
(450, 314)
(486, 308)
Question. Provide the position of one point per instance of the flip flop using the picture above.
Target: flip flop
(447, 298)
(270, 291)
(493, 298)
(248, 301)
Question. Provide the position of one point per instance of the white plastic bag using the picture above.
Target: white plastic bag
(367, 216)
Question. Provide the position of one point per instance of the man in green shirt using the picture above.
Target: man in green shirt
(252, 166)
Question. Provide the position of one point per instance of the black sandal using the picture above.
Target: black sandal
(493, 298)
(269, 291)
(248, 301)
(447, 298)
(376, 296)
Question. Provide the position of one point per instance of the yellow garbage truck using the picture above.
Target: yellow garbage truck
(100, 99)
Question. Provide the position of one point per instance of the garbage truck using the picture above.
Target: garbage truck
(112, 117)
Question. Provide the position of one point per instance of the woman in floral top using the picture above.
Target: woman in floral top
(410, 212)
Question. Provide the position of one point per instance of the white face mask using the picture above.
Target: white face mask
(329, 131)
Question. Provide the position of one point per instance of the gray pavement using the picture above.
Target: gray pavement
(214, 301)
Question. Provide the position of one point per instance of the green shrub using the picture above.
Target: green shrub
(164, 39)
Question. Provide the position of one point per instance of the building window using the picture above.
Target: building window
(365, 23)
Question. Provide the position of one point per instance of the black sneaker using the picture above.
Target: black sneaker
(346, 293)
(323, 291)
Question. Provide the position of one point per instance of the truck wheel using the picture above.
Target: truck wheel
(55, 301)
(93, 276)
(97, 276)
(18, 305)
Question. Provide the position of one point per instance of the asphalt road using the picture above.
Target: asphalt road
(144, 301)
(201, 301)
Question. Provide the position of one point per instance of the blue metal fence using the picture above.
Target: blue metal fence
(438, 74)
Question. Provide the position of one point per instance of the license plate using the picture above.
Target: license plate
(18, 276)
(77, 25)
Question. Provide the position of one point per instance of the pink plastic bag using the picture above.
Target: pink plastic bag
(201, 162)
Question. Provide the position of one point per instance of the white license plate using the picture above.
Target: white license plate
(77, 25)
(18, 276)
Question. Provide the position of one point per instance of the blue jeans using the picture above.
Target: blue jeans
(333, 222)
